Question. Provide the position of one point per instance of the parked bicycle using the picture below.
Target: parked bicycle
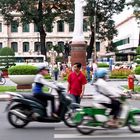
(2, 80)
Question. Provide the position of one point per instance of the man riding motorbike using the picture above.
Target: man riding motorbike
(39, 83)
(109, 97)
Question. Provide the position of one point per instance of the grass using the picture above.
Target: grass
(136, 88)
(13, 89)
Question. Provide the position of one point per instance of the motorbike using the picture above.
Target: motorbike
(23, 109)
(90, 119)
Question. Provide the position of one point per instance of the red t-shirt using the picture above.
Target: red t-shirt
(76, 82)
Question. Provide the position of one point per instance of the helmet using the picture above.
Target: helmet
(101, 73)
(43, 68)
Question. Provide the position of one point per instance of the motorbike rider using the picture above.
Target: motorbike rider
(109, 96)
(39, 83)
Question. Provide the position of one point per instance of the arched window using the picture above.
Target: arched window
(25, 27)
(37, 46)
(60, 26)
(85, 26)
(14, 46)
(25, 46)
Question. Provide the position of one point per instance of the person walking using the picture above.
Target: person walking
(76, 83)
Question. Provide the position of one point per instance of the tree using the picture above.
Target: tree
(105, 26)
(136, 5)
(40, 12)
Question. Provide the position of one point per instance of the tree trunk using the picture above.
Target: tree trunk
(90, 47)
(43, 42)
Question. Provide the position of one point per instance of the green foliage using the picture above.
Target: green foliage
(137, 70)
(47, 76)
(22, 70)
(6, 51)
(136, 5)
(118, 77)
(138, 51)
(102, 65)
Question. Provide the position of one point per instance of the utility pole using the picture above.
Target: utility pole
(94, 44)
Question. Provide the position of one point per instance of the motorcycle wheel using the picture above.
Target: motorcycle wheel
(14, 120)
(68, 118)
(135, 128)
(83, 126)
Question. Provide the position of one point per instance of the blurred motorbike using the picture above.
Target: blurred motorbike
(23, 109)
(90, 119)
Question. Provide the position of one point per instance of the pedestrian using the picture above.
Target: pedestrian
(56, 72)
(88, 72)
(76, 83)
(1, 75)
(94, 71)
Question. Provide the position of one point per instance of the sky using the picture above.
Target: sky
(123, 15)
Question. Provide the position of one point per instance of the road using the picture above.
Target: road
(45, 131)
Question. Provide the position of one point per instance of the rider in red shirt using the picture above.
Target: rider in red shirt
(76, 83)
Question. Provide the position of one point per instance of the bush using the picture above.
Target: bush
(102, 65)
(121, 72)
(6, 51)
(22, 70)
(48, 76)
(137, 70)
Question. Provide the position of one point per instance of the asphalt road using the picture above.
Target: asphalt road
(45, 131)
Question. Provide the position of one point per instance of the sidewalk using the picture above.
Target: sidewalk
(89, 89)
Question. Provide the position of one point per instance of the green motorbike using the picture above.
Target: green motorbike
(90, 119)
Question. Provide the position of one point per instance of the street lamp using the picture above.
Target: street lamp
(94, 22)
(94, 44)
(138, 22)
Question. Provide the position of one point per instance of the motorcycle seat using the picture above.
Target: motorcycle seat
(31, 97)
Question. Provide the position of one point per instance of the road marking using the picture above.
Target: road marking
(79, 136)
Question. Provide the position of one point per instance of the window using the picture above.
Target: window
(85, 26)
(35, 28)
(14, 46)
(97, 46)
(122, 42)
(37, 46)
(71, 27)
(0, 45)
(60, 26)
(14, 26)
(49, 45)
(0, 27)
(25, 46)
(25, 27)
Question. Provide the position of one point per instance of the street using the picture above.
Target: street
(54, 131)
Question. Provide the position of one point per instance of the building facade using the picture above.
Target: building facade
(24, 39)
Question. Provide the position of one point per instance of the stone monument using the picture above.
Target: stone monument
(78, 45)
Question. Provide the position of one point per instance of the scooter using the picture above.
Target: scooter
(22, 109)
(90, 119)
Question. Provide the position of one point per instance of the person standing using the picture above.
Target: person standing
(94, 69)
(56, 72)
(76, 83)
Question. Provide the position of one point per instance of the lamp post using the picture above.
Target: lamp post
(138, 22)
(94, 44)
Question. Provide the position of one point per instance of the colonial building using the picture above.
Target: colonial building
(24, 38)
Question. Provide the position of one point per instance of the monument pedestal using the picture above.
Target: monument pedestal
(78, 52)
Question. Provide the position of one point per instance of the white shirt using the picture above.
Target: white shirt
(107, 90)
